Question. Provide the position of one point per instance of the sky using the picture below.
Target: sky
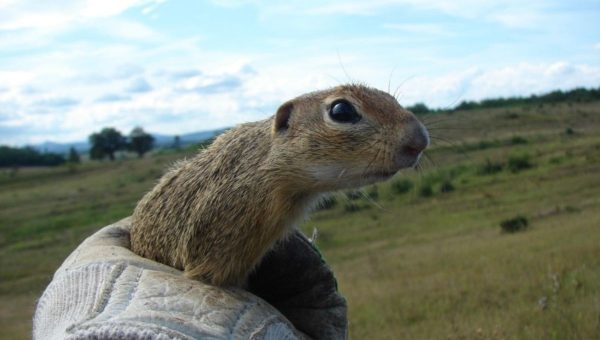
(70, 67)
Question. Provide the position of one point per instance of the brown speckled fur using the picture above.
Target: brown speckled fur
(216, 215)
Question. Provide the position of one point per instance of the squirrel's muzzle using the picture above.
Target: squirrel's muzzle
(414, 139)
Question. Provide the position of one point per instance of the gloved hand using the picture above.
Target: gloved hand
(104, 291)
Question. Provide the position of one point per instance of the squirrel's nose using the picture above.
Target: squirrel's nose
(416, 138)
(413, 139)
(411, 150)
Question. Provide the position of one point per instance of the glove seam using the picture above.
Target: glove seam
(104, 297)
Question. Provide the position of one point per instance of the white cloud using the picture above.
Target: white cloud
(16, 78)
(33, 14)
(178, 84)
(237, 3)
(139, 85)
(226, 93)
(112, 97)
(126, 29)
(512, 13)
(420, 28)
(512, 80)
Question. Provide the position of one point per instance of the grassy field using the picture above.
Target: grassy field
(419, 257)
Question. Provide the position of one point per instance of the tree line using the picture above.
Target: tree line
(104, 144)
(28, 156)
(578, 95)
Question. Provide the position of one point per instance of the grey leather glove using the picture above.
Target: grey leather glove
(104, 291)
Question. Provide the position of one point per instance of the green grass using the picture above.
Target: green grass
(433, 266)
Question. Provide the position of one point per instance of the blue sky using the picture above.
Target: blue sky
(71, 67)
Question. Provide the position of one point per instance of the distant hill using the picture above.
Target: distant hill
(160, 140)
(61, 148)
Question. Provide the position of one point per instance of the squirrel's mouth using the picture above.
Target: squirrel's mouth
(386, 173)
(383, 174)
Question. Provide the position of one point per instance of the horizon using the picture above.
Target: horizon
(434, 111)
(70, 68)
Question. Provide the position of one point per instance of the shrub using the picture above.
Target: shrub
(402, 186)
(456, 171)
(490, 167)
(556, 160)
(514, 224)
(516, 140)
(351, 207)
(327, 203)
(569, 131)
(353, 195)
(426, 190)
(571, 209)
(447, 186)
(486, 144)
(482, 145)
(520, 162)
(373, 192)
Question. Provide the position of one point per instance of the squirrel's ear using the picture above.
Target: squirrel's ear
(282, 117)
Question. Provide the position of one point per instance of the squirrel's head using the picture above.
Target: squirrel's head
(347, 136)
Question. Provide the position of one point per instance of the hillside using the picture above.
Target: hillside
(421, 256)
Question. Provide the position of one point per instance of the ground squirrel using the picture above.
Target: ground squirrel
(215, 215)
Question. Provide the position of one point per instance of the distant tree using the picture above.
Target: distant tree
(96, 152)
(419, 109)
(177, 142)
(557, 96)
(73, 156)
(106, 143)
(467, 105)
(140, 141)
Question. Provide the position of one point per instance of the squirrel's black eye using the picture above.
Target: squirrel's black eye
(343, 112)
